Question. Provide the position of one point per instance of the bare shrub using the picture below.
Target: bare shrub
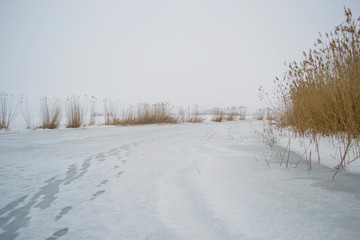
(7, 110)
(75, 112)
(50, 113)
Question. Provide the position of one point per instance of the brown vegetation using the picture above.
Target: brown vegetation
(218, 116)
(7, 110)
(260, 114)
(321, 93)
(155, 113)
(75, 112)
(50, 113)
(143, 113)
(193, 115)
(111, 112)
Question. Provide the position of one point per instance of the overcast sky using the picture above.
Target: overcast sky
(211, 53)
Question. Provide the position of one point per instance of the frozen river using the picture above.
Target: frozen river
(163, 182)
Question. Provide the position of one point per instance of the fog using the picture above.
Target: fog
(211, 53)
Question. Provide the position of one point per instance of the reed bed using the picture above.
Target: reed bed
(155, 113)
(320, 95)
(228, 114)
(143, 113)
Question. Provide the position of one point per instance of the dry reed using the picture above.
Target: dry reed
(143, 113)
(111, 112)
(218, 115)
(75, 112)
(155, 113)
(320, 95)
(26, 112)
(50, 113)
(194, 115)
(7, 110)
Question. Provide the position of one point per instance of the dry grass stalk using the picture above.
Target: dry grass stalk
(111, 112)
(195, 115)
(235, 113)
(231, 114)
(270, 115)
(260, 114)
(76, 112)
(218, 115)
(25, 109)
(92, 111)
(7, 110)
(50, 113)
(242, 113)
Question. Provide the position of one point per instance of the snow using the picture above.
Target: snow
(184, 181)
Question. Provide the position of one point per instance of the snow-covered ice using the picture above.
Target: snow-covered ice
(186, 181)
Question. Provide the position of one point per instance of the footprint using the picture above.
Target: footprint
(102, 182)
(101, 157)
(116, 166)
(63, 212)
(97, 194)
(119, 174)
(58, 234)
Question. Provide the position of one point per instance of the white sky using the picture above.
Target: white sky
(211, 53)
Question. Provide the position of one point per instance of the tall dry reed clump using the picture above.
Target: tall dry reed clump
(321, 93)
(218, 115)
(155, 113)
(228, 114)
(75, 112)
(235, 113)
(194, 115)
(143, 113)
(111, 112)
(7, 110)
(50, 113)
